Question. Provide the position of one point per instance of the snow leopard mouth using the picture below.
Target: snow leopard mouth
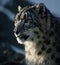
(21, 38)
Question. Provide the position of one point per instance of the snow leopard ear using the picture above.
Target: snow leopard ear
(45, 15)
(19, 8)
(41, 8)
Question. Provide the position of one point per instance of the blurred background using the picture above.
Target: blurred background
(10, 51)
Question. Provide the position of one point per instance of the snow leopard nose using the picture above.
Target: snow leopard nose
(18, 29)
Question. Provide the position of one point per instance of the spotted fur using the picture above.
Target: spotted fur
(39, 31)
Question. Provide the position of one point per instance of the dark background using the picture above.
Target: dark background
(10, 51)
